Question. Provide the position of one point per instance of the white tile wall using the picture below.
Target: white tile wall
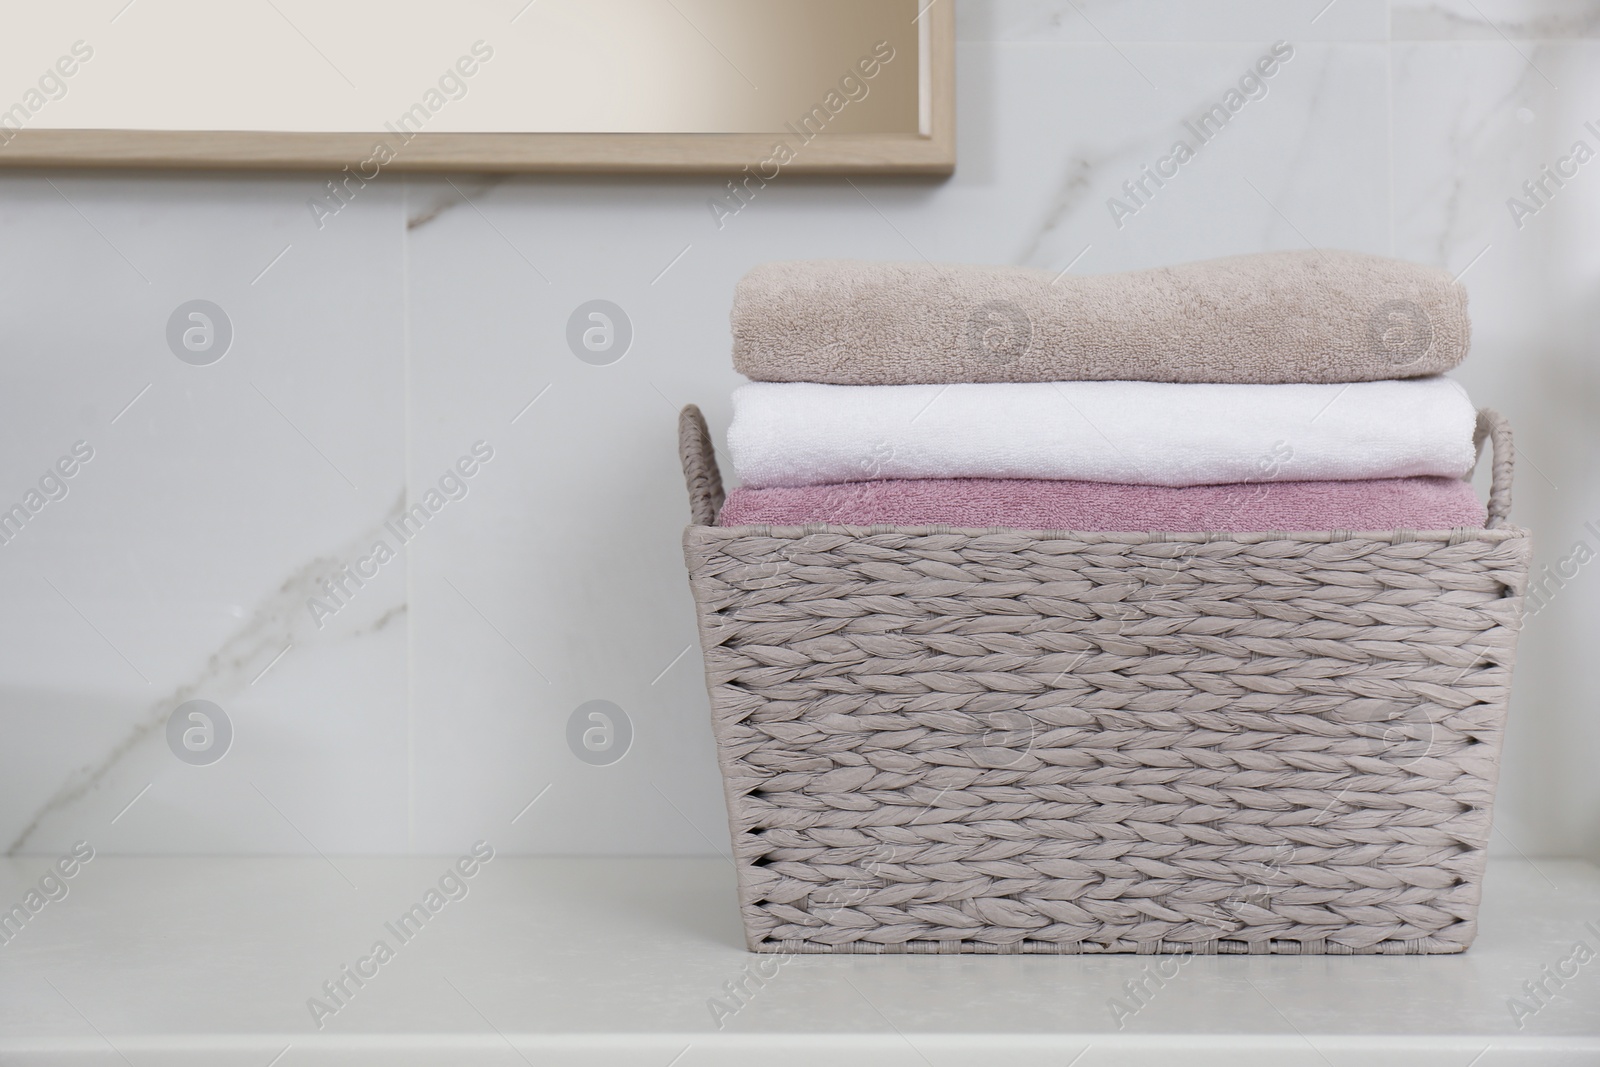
(371, 355)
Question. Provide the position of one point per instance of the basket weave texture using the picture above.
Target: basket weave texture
(1003, 741)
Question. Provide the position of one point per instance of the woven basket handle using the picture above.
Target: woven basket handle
(699, 467)
(1493, 425)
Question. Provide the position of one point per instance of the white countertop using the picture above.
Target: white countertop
(588, 961)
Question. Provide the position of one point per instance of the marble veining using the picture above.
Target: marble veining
(459, 191)
(275, 626)
(1075, 190)
(1466, 20)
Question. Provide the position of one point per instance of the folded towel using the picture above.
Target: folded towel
(1145, 432)
(1381, 504)
(1273, 317)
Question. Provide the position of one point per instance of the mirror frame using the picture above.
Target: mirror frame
(931, 151)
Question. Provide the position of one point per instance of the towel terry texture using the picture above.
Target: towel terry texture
(1268, 318)
(980, 503)
(1137, 432)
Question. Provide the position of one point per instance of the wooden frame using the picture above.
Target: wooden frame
(931, 151)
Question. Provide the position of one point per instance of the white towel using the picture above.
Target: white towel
(1152, 433)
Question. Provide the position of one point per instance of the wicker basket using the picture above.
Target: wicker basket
(939, 740)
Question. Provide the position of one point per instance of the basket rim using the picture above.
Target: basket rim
(1447, 537)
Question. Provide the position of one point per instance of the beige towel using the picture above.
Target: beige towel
(1269, 318)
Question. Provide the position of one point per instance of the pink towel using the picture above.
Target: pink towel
(1382, 504)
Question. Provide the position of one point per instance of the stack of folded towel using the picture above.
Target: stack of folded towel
(1273, 392)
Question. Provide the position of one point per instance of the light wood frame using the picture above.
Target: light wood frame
(931, 151)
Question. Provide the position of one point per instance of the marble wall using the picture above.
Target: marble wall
(368, 357)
